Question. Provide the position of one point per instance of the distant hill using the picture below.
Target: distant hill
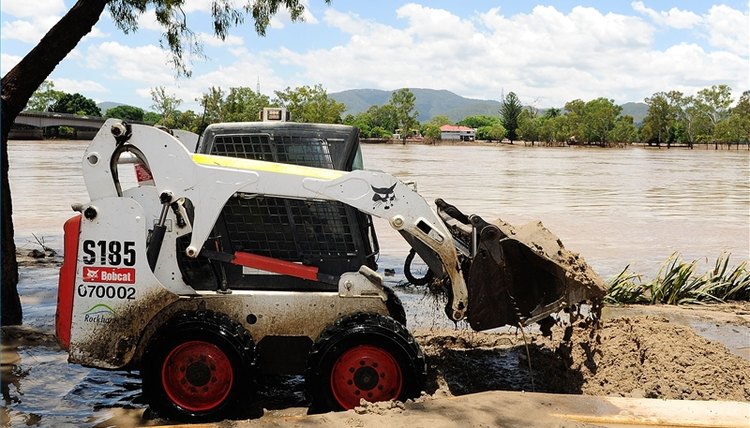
(106, 105)
(637, 110)
(433, 102)
(429, 103)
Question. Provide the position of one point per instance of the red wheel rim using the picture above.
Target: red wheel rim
(365, 372)
(197, 376)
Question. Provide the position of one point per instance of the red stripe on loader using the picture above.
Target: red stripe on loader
(66, 284)
(270, 264)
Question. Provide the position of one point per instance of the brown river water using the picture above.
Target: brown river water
(616, 207)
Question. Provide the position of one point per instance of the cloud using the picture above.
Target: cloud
(729, 29)
(213, 41)
(544, 55)
(147, 63)
(31, 9)
(245, 72)
(673, 18)
(35, 18)
(80, 86)
(283, 17)
(28, 30)
(7, 62)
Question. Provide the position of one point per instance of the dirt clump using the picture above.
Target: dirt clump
(653, 358)
(629, 357)
(581, 281)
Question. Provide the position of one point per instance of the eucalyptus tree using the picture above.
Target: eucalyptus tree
(243, 104)
(21, 81)
(213, 105)
(166, 105)
(660, 119)
(599, 117)
(44, 97)
(310, 104)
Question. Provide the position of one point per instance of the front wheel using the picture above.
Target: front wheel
(366, 356)
(198, 367)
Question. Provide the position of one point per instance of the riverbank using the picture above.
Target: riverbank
(521, 143)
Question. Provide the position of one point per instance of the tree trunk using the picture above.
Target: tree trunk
(17, 87)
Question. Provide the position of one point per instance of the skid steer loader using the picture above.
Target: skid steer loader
(255, 253)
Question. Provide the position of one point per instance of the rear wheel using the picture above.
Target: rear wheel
(197, 367)
(366, 356)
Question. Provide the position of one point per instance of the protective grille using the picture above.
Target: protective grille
(287, 229)
(253, 146)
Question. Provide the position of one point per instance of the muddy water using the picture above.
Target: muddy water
(616, 207)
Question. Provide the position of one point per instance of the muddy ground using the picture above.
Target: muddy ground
(693, 353)
(639, 355)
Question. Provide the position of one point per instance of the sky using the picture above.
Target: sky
(548, 53)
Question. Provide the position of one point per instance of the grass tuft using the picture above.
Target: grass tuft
(677, 283)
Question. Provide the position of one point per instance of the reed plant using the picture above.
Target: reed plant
(623, 288)
(677, 283)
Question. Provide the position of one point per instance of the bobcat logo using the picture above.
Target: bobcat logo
(383, 195)
(92, 274)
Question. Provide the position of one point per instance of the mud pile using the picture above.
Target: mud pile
(631, 357)
(574, 270)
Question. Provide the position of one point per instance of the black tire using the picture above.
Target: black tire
(394, 306)
(198, 367)
(363, 355)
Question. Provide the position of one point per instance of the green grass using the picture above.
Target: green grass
(677, 283)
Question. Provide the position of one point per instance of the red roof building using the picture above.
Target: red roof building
(457, 132)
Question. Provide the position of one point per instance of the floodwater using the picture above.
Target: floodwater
(616, 207)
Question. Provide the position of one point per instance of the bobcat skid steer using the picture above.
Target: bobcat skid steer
(256, 254)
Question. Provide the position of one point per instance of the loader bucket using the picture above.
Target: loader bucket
(522, 275)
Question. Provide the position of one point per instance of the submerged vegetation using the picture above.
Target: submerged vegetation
(677, 283)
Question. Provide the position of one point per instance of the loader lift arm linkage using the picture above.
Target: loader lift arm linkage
(209, 181)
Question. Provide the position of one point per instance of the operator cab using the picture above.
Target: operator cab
(334, 237)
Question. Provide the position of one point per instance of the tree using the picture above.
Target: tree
(713, 103)
(479, 121)
(735, 128)
(19, 84)
(310, 104)
(431, 129)
(528, 126)
(166, 105)
(130, 113)
(244, 104)
(384, 117)
(403, 102)
(151, 117)
(44, 97)
(624, 131)
(510, 110)
(213, 105)
(742, 111)
(572, 126)
(660, 118)
(76, 104)
(599, 116)
(493, 132)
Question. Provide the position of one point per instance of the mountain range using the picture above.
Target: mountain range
(432, 102)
